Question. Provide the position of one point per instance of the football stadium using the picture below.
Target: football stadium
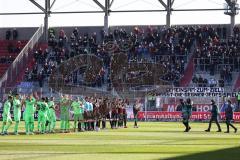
(119, 79)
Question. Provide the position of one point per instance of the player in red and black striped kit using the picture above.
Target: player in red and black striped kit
(125, 114)
(120, 113)
(114, 114)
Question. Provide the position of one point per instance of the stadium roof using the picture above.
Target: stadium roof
(115, 18)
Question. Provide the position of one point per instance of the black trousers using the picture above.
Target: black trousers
(114, 118)
(98, 122)
(125, 119)
(120, 120)
(214, 119)
(186, 123)
(228, 123)
(103, 123)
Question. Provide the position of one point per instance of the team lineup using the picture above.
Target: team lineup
(88, 114)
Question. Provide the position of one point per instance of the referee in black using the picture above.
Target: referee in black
(214, 117)
(229, 117)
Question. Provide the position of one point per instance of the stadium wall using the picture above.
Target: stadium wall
(24, 33)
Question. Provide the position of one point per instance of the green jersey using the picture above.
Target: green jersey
(51, 107)
(64, 106)
(30, 108)
(238, 97)
(81, 107)
(43, 107)
(76, 105)
(187, 110)
(51, 104)
(52, 114)
(16, 106)
(6, 108)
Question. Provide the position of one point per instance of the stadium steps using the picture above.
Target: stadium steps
(30, 64)
(188, 73)
(237, 83)
(186, 79)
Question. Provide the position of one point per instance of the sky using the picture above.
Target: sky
(211, 17)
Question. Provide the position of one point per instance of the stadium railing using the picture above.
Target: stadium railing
(204, 64)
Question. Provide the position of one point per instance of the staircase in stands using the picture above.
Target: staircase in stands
(188, 73)
(237, 84)
(4, 52)
(31, 62)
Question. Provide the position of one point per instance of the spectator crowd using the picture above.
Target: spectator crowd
(166, 48)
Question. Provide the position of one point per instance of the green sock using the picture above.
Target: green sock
(3, 128)
(82, 124)
(27, 127)
(75, 124)
(16, 127)
(53, 124)
(62, 124)
(67, 125)
(44, 127)
(31, 126)
(39, 125)
(49, 127)
(9, 124)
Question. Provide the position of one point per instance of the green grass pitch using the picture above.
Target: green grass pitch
(151, 141)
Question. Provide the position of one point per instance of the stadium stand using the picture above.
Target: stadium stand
(170, 47)
(187, 56)
(9, 49)
(216, 57)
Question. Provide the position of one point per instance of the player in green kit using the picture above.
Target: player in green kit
(7, 120)
(64, 113)
(52, 115)
(48, 125)
(67, 127)
(42, 115)
(38, 104)
(77, 112)
(29, 114)
(17, 106)
(81, 119)
(186, 114)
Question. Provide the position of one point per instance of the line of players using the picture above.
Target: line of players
(88, 113)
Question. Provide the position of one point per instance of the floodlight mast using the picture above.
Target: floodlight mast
(168, 8)
(47, 14)
(46, 11)
(106, 10)
(232, 11)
